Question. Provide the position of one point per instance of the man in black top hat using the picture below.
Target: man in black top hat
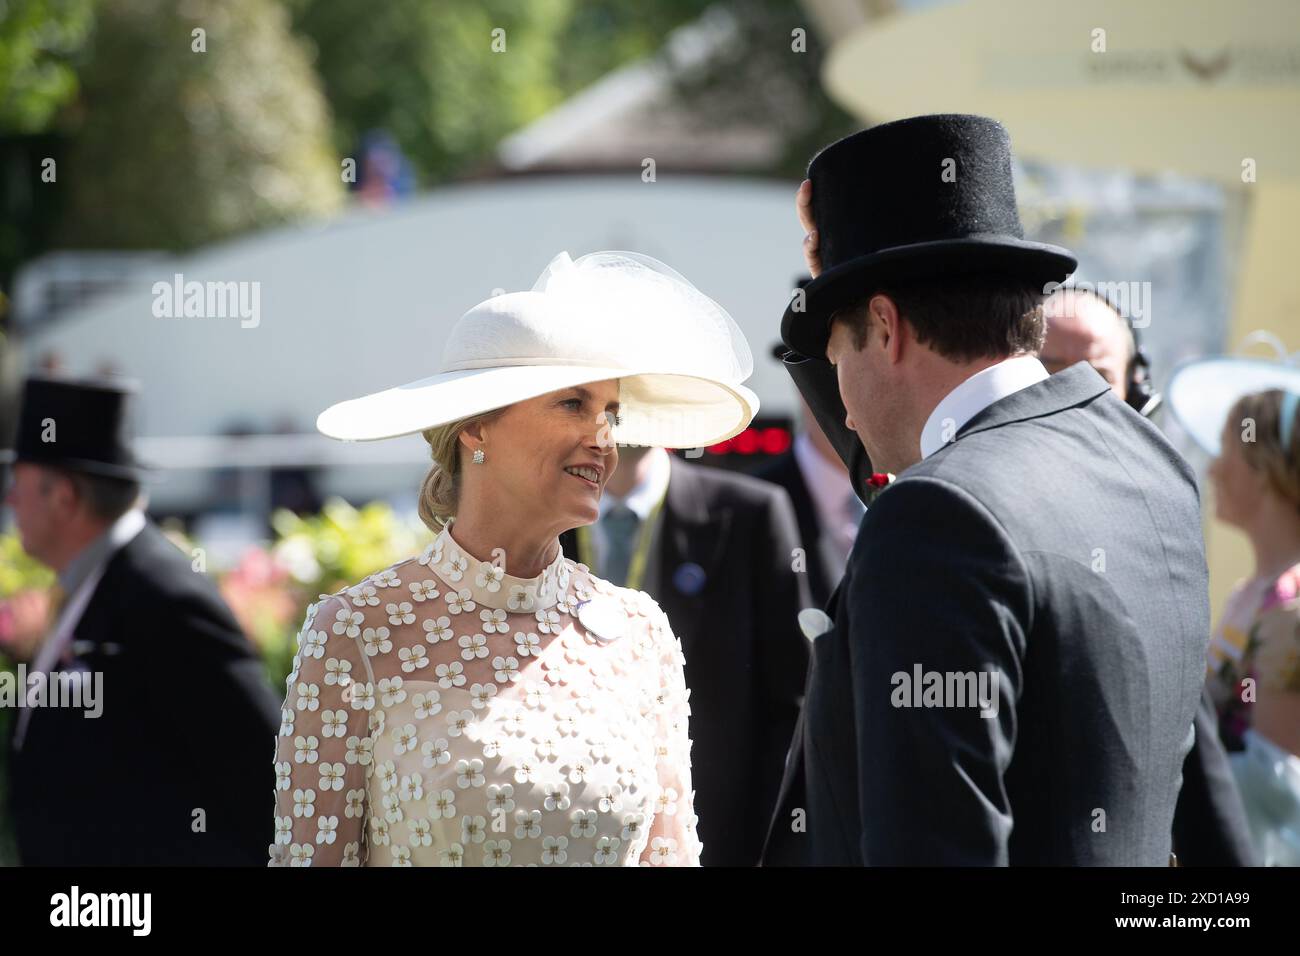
(1011, 665)
(144, 721)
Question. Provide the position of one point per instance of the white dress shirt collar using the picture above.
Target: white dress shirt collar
(976, 394)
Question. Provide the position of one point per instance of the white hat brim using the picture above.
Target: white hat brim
(668, 409)
(1201, 392)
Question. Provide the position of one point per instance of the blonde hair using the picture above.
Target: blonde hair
(440, 490)
(1279, 465)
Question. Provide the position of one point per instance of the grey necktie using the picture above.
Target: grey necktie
(620, 524)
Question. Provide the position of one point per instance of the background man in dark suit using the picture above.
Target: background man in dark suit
(715, 549)
(1041, 536)
(175, 768)
(1210, 827)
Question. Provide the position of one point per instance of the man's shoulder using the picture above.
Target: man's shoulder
(737, 488)
(154, 564)
(152, 578)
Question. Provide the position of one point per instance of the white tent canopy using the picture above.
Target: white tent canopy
(364, 301)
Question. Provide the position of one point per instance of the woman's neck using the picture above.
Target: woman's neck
(1276, 541)
(525, 552)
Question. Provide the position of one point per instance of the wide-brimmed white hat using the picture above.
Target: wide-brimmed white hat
(679, 356)
(1202, 391)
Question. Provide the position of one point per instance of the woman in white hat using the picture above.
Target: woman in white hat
(1244, 411)
(490, 702)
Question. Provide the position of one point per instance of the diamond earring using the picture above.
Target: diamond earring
(478, 456)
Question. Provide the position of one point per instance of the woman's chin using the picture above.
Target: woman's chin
(584, 511)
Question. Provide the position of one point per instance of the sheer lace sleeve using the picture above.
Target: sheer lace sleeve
(323, 752)
(672, 838)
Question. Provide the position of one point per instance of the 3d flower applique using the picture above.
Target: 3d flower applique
(337, 672)
(527, 643)
(454, 568)
(431, 555)
(469, 773)
(437, 629)
(413, 658)
(489, 576)
(458, 721)
(387, 579)
(348, 622)
(436, 753)
(398, 614)
(521, 598)
(425, 590)
(505, 669)
(391, 691)
(427, 704)
(450, 674)
(607, 851)
(360, 750)
(375, 640)
(528, 824)
(363, 595)
(405, 739)
(496, 853)
(442, 804)
(453, 855)
(473, 646)
(461, 601)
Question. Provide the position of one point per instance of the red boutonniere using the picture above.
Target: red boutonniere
(877, 483)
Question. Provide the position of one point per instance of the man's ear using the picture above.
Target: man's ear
(884, 319)
(62, 492)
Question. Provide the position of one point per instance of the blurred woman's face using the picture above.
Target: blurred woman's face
(534, 448)
(1238, 488)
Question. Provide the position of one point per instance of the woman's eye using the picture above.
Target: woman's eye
(614, 418)
(576, 402)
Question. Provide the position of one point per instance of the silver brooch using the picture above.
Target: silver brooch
(604, 617)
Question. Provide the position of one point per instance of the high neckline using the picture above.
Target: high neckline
(489, 585)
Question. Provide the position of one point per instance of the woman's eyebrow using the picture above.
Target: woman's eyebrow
(586, 397)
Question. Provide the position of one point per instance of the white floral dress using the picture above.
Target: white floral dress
(444, 713)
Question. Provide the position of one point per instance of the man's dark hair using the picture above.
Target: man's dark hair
(107, 498)
(961, 317)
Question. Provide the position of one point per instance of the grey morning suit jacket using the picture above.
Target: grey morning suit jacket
(1056, 542)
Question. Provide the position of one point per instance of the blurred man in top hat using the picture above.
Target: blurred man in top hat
(716, 550)
(1011, 665)
(1210, 827)
(173, 718)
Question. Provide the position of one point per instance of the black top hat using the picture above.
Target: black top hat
(779, 349)
(920, 197)
(77, 424)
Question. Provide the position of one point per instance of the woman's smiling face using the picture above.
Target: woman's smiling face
(533, 447)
